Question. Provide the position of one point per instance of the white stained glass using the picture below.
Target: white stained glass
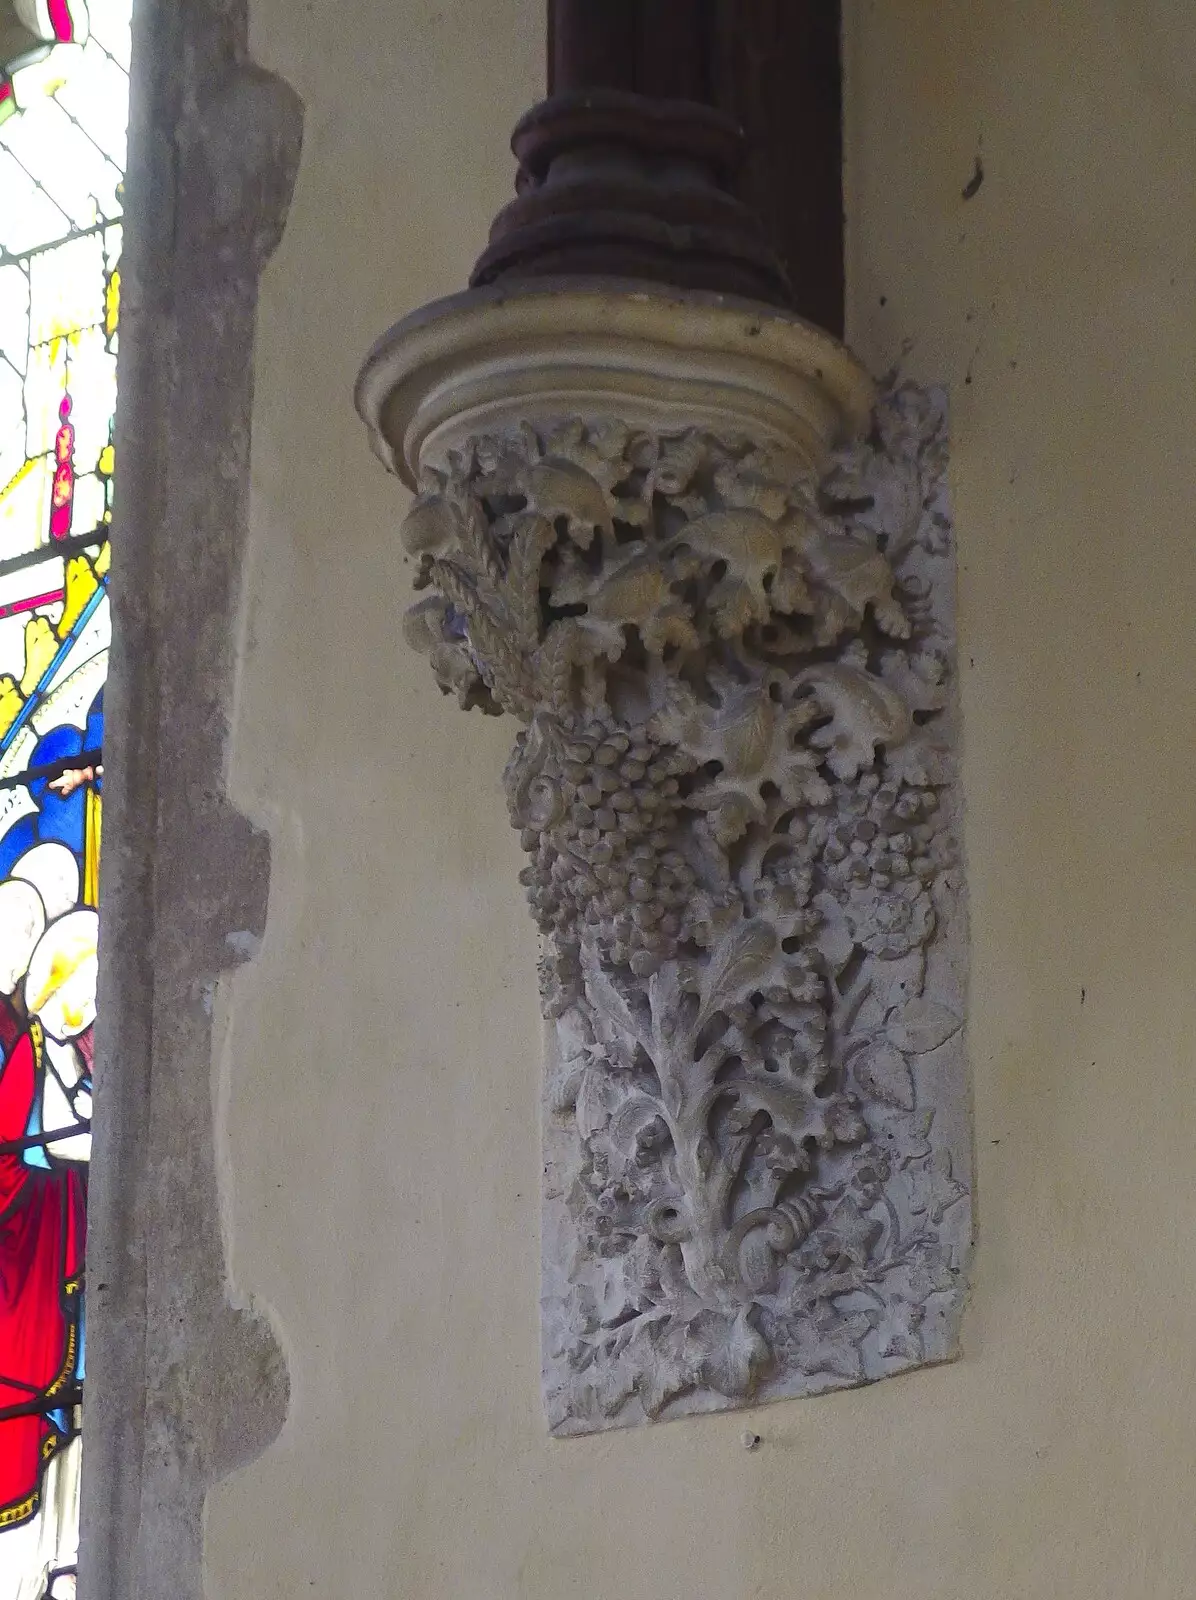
(95, 96)
(14, 322)
(28, 217)
(12, 650)
(45, 386)
(92, 377)
(12, 422)
(66, 288)
(51, 1540)
(110, 29)
(25, 509)
(89, 502)
(76, 175)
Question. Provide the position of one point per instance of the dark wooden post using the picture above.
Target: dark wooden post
(777, 68)
(771, 66)
(628, 170)
(592, 46)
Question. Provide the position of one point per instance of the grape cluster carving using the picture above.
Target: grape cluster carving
(600, 828)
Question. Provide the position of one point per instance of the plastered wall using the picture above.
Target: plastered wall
(376, 1081)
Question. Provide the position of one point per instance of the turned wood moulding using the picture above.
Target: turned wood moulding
(705, 568)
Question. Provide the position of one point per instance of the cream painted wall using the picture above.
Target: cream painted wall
(377, 1086)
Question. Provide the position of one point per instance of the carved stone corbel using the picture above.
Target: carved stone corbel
(679, 540)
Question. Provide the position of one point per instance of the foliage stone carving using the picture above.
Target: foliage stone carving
(735, 784)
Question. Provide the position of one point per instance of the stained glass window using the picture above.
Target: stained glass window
(63, 107)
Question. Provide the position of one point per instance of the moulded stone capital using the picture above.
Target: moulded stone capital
(655, 358)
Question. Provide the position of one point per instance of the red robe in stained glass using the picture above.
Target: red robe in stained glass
(42, 1222)
(63, 492)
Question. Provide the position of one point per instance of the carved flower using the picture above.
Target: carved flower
(934, 533)
(774, 899)
(781, 1155)
(789, 1003)
(846, 1241)
(785, 886)
(870, 1172)
(607, 1211)
(893, 922)
(844, 1125)
(783, 898)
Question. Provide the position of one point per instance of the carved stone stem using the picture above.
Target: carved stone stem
(647, 529)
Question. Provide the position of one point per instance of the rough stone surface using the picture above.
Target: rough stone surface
(737, 790)
(181, 1386)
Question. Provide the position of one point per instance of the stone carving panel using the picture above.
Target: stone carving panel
(735, 784)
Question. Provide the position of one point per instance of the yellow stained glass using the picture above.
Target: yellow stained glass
(112, 302)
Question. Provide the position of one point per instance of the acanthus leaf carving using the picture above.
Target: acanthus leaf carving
(735, 786)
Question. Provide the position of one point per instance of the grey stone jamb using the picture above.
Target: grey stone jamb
(181, 1387)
